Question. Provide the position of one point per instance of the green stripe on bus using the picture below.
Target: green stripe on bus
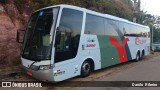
(109, 54)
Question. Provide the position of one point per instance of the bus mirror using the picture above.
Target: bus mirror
(19, 37)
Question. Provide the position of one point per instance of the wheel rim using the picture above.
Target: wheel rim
(86, 68)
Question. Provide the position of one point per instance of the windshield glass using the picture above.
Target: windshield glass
(38, 35)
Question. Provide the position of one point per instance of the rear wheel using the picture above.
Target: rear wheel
(138, 56)
(86, 68)
(142, 56)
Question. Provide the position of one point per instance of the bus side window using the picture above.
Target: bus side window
(63, 38)
(68, 35)
(110, 29)
(94, 25)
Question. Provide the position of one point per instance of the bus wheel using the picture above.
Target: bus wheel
(86, 68)
(138, 56)
(142, 56)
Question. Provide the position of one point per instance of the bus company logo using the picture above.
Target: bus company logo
(91, 45)
(58, 72)
(6, 84)
(139, 41)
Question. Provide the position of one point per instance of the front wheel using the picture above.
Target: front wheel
(86, 68)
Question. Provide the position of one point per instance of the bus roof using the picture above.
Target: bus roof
(95, 13)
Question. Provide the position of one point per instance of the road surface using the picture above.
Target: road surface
(148, 70)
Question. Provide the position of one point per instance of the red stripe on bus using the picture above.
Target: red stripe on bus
(120, 48)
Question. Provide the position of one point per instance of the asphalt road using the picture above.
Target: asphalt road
(147, 71)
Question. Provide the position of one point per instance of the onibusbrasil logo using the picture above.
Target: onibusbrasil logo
(21, 84)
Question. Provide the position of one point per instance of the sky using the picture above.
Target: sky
(151, 6)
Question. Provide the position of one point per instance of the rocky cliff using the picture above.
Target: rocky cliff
(11, 20)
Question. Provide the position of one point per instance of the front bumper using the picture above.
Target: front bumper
(43, 75)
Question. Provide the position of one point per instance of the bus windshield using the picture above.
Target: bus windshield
(38, 36)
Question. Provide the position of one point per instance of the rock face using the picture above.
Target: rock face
(10, 22)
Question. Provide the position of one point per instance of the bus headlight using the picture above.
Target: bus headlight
(44, 67)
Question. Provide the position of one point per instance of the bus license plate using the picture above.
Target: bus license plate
(29, 73)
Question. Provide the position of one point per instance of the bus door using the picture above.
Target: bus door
(67, 43)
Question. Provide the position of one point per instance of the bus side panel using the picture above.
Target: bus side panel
(138, 44)
(109, 54)
(133, 47)
(89, 48)
(66, 69)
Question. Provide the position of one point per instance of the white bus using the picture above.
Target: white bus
(65, 41)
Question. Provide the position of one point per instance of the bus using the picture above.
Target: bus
(64, 41)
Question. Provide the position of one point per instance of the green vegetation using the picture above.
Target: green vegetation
(121, 8)
(153, 22)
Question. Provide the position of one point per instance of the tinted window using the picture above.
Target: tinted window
(131, 30)
(94, 25)
(122, 28)
(68, 35)
(144, 32)
(38, 39)
(135, 31)
(111, 27)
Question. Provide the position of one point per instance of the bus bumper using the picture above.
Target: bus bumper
(43, 75)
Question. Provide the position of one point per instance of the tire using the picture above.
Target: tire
(142, 56)
(86, 68)
(138, 57)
